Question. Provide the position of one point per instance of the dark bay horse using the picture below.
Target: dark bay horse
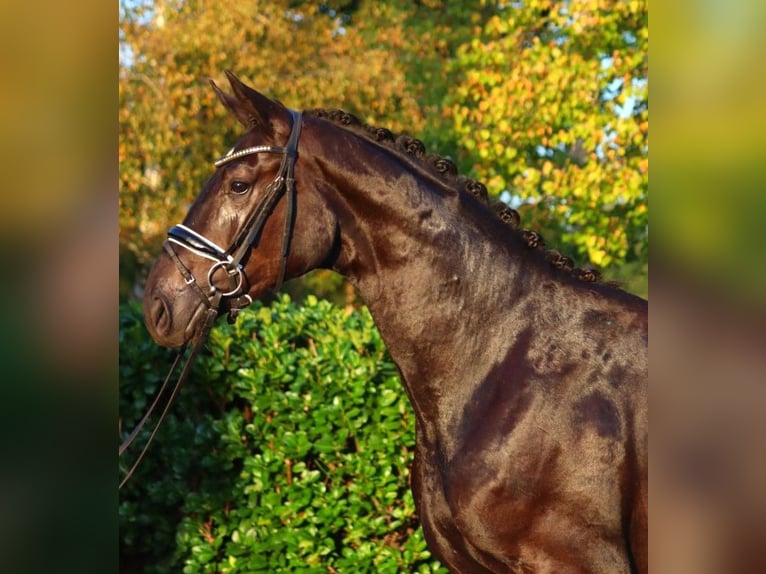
(527, 376)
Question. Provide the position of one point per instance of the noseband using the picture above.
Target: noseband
(229, 261)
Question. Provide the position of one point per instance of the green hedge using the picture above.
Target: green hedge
(288, 450)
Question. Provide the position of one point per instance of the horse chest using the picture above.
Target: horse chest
(479, 520)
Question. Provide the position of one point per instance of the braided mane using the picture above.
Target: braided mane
(446, 170)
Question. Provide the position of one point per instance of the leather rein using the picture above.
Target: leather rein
(230, 263)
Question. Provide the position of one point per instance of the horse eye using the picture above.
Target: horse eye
(239, 187)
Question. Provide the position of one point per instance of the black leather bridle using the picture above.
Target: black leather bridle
(230, 262)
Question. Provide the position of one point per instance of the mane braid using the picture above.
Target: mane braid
(446, 170)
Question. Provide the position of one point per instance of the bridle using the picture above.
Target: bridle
(230, 262)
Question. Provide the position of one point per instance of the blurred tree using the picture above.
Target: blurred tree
(432, 32)
(552, 109)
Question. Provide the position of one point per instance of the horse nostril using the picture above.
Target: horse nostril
(159, 314)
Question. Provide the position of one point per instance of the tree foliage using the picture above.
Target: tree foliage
(552, 107)
(546, 102)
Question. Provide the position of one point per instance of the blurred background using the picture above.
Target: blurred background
(547, 102)
(58, 238)
(708, 334)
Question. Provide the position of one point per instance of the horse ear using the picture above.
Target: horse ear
(251, 108)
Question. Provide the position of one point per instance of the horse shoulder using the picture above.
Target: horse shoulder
(546, 445)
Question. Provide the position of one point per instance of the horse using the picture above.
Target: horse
(527, 375)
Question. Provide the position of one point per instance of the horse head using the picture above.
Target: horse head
(247, 231)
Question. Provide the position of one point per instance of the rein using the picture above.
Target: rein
(209, 320)
(229, 261)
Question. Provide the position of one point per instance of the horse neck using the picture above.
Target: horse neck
(425, 261)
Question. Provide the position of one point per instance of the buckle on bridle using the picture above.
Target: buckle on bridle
(230, 271)
(242, 302)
